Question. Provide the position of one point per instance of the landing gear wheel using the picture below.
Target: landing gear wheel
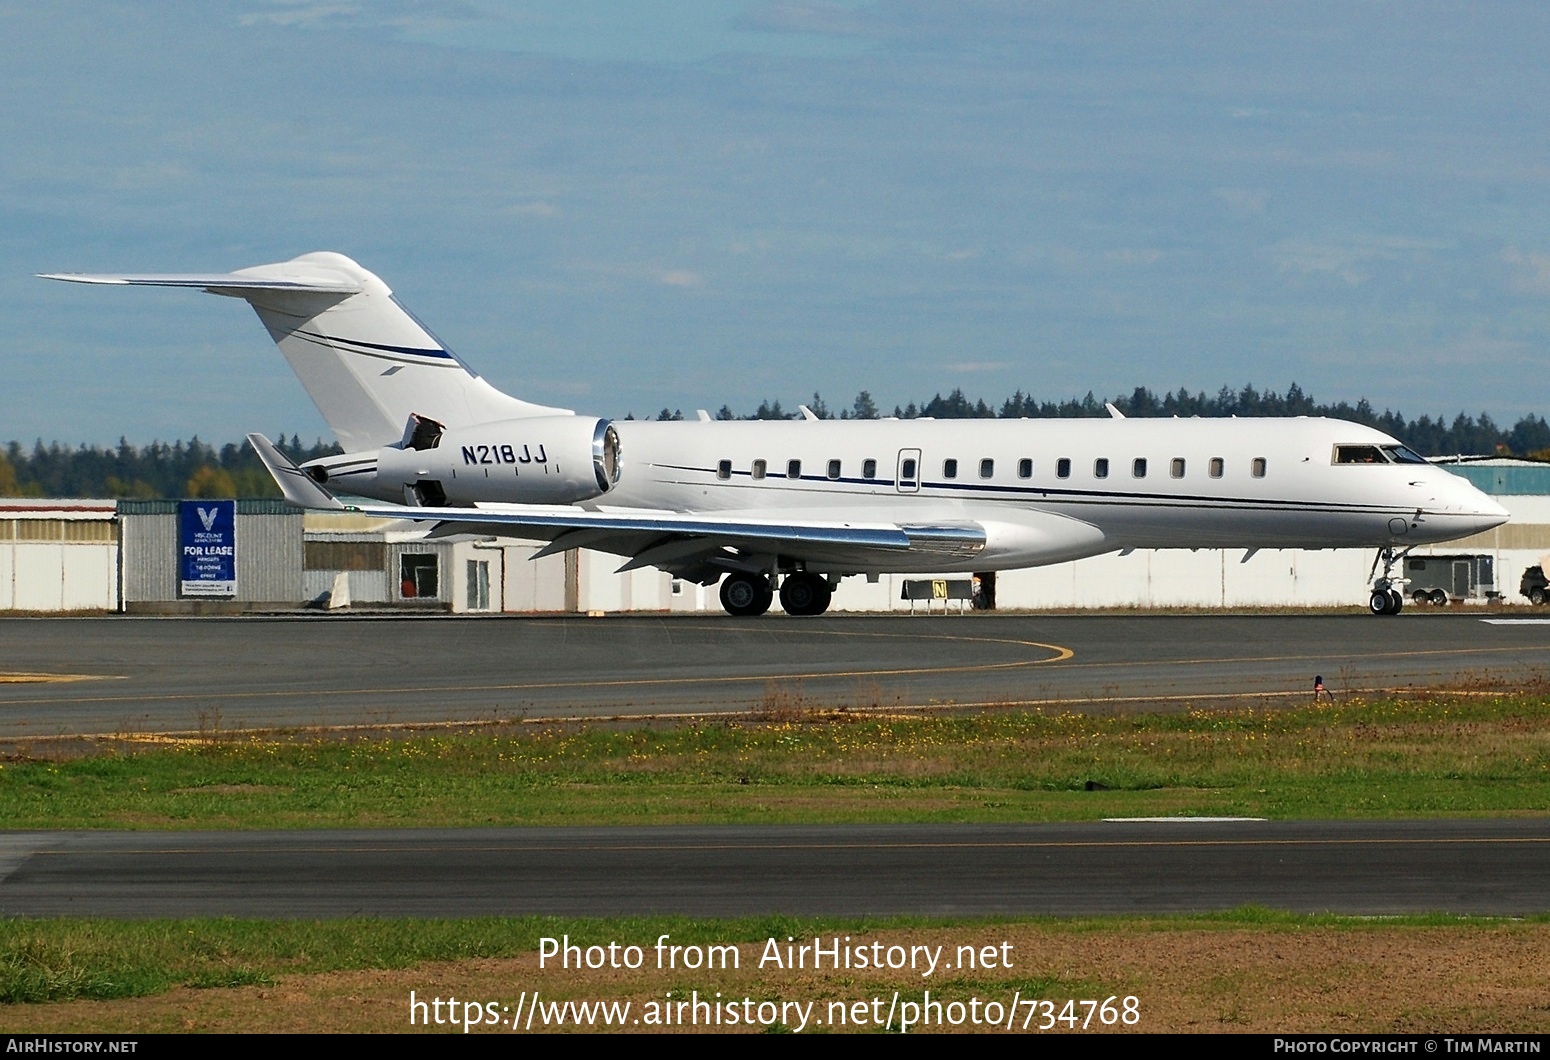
(1385, 602)
(746, 595)
(804, 594)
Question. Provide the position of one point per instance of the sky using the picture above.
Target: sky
(621, 206)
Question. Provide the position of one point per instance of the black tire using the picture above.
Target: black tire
(1439, 598)
(1421, 596)
(804, 594)
(1536, 596)
(745, 595)
(1396, 601)
(1379, 603)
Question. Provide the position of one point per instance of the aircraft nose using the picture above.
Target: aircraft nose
(1470, 510)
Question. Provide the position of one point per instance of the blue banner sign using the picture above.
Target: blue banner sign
(207, 548)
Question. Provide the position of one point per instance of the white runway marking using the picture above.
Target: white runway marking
(1516, 621)
(1178, 820)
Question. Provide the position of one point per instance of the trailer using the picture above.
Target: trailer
(1439, 580)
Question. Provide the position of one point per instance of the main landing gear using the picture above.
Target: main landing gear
(1388, 596)
(749, 595)
(746, 595)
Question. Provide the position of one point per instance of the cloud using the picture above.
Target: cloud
(809, 16)
(1242, 202)
(1531, 271)
(979, 366)
(681, 278)
(532, 208)
(411, 15)
(1349, 260)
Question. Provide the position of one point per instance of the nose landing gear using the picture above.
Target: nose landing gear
(1388, 597)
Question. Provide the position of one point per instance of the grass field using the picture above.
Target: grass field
(1251, 970)
(1471, 752)
(1432, 755)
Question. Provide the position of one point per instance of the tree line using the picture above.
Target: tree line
(1440, 436)
(183, 469)
(197, 469)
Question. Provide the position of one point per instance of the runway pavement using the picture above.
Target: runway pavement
(142, 675)
(1487, 867)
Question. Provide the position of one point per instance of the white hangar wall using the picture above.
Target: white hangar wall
(1158, 578)
(95, 555)
(58, 555)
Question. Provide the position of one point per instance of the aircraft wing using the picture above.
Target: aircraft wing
(693, 544)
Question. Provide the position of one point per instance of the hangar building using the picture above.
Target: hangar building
(102, 555)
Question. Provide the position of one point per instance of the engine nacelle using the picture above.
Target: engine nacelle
(537, 460)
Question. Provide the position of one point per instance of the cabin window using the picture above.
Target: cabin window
(1257, 468)
(1063, 467)
(1216, 467)
(907, 471)
(724, 469)
(1176, 469)
(793, 469)
(1025, 468)
(759, 467)
(949, 469)
(987, 468)
(834, 469)
(869, 469)
(1138, 468)
(1101, 467)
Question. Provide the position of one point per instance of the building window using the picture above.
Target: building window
(478, 585)
(1138, 467)
(724, 469)
(1063, 467)
(1176, 469)
(1025, 468)
(834, 469)
(1216, 467)
(949, 469)
(1101, 467)
(417, 576)
(758, 468)
(1257, 468)
(793, 469)
(869, 469)
(344, 555)
(987, 468)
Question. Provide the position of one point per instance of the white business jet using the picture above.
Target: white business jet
(795, 506)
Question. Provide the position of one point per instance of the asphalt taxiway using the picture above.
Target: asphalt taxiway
(123, 675)
(1486, 867)
(128, 676)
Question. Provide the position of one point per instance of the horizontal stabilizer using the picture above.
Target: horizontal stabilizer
(212, 281)
(296, 484)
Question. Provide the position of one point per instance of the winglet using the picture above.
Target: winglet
(298, 487)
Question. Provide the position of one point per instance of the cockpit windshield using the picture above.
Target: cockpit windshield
(1377, 454)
